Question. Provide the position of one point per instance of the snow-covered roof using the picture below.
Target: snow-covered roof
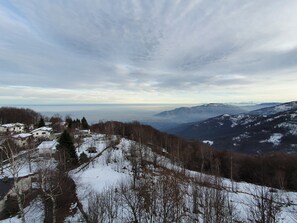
(85, 131)
(10, 125)
(19, 124)
(47, 129)
(45, 145)
(22, 135)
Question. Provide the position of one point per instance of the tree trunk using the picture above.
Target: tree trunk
(20, 202)
(54, 209)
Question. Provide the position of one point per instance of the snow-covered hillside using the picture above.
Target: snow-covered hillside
(113, 169)
(276, 109)
(252, 132)
(125, 180)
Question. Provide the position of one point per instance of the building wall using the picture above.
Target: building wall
(41, 134)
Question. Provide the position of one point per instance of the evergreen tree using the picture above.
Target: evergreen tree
(41, 122)
(67, 149)
(84, 123)
(76, 123)
(83, 158)
(69, 121)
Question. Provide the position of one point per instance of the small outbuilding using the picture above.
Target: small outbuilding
(47, 148)
(92, 149)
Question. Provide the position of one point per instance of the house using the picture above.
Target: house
(47, 124)
(43, 132)
(13, 127)
(22, 139)
(92, 150)
(47, 148)
(18, 127)
(2, 129)
(85, 132)
(82, 133)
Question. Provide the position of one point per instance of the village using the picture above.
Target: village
(42, 139)
(23, 147)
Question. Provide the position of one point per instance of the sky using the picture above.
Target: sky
(147, 51)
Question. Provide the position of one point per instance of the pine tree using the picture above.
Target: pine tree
(67, 148)
(69, 121)
(84, 123)
(76, 123)
(41, 123)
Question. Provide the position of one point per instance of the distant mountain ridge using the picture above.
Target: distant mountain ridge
(201, 112)
(260, 131)
(275, 109)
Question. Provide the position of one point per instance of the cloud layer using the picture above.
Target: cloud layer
(156, 51)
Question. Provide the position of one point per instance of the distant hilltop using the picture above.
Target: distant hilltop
(209, 110)
(201, 112)
(211, 107)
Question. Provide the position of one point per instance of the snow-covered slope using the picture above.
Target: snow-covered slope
(276, 109)
(253, 132)
(125, 180)
(114, 168)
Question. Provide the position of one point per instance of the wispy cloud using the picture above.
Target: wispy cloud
(129, 51)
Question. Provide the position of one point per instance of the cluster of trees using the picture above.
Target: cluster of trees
(277, 170)
(58, 124)
(147, 202)
(22, 115)
(28, 117)
(77, 123)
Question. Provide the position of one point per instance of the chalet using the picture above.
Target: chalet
(47, 148)
(13, 127)
(22, 139)
(82, 133)
(43, 132)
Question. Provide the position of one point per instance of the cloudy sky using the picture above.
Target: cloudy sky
(147, 51)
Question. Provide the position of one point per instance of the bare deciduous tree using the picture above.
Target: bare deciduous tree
(15, 164)
(96, 209)
(49, 182)
(171, 199)
(132, 203)
(103, 207)
(265, 206)
(211, 203)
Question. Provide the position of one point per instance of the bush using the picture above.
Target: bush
(83, 158)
